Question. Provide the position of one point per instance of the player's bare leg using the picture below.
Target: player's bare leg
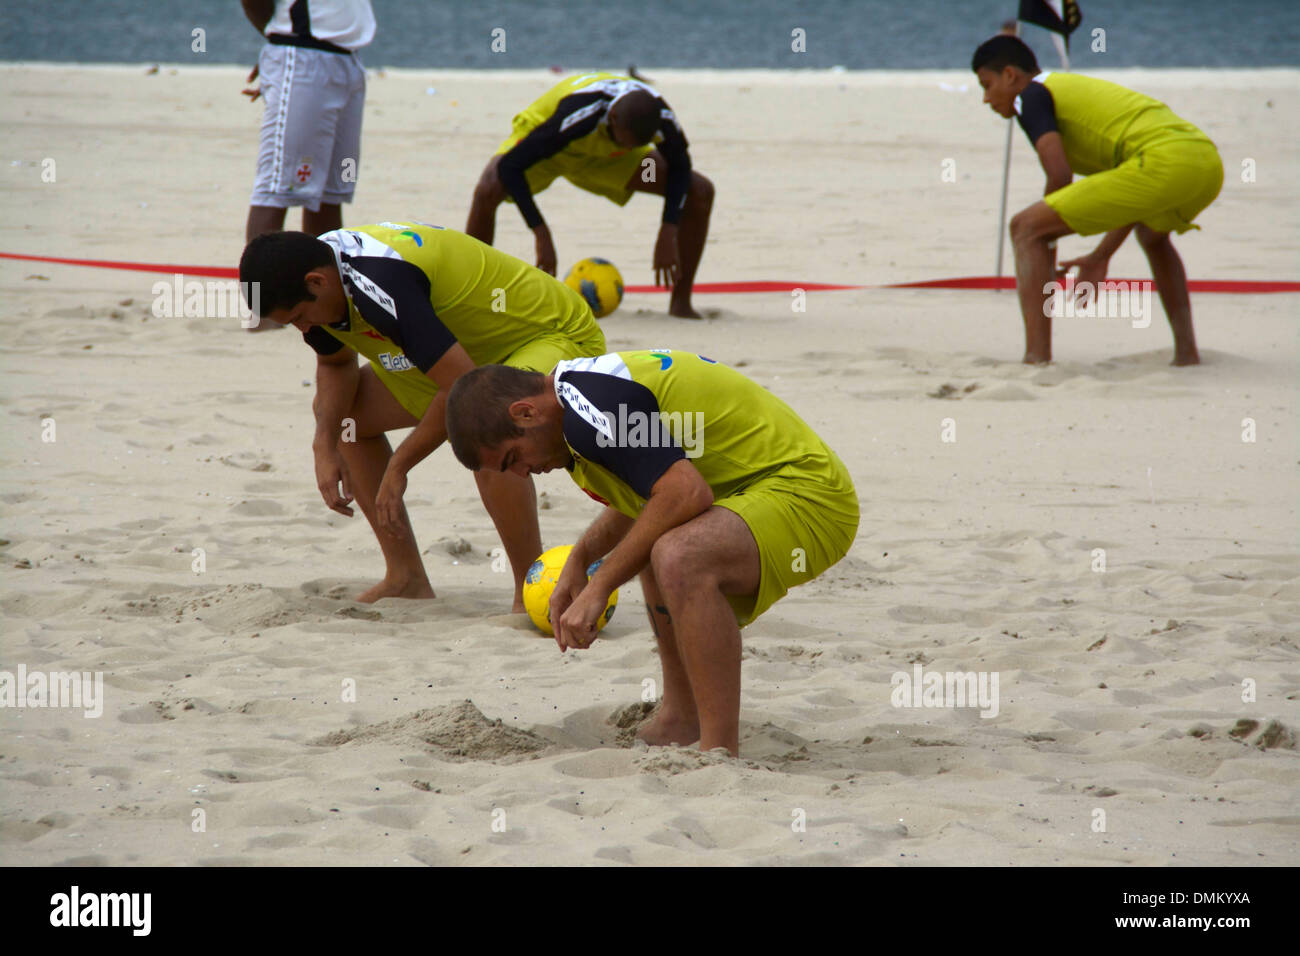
(511, 501)
(375, 412)
(692, 230)
(488, 194)
(696, 565)
(1171, 283)
(261, 220)
(676, 721)
(326, 219)
(1032, 230)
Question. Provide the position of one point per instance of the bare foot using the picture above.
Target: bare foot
(682, 309)
(417, 589)
(1191, 358)
(1032, 358)
(662, 730)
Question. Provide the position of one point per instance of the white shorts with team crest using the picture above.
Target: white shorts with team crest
(310, 150)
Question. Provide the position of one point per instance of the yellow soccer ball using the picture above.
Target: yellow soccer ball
(597, 281)
(540, 582)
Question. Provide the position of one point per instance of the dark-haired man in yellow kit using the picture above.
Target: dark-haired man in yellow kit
(1145, 169)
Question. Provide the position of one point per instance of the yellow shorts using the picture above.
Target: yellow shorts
(804, 518)
(414, 390)
(1164, 188)
(606, 176)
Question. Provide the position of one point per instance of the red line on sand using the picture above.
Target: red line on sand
(218, 272)
(1236, 286)
(750, 287)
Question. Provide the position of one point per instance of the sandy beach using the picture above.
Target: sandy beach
(253, 714)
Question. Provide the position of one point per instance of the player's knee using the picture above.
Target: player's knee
(701, 193)
(675, 567)
(1018, 228)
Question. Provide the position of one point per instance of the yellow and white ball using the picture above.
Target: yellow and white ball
(540, 582)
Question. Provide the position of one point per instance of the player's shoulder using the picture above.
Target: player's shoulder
(586, 370)
(1035, 96)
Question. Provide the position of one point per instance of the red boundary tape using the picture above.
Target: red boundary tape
(1237, 286)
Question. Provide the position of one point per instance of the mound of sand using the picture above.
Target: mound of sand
(456, 731)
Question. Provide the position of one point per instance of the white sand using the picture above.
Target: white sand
(223, 688)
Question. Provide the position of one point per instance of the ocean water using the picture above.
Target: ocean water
(715, 34)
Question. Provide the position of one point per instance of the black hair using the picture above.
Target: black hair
(1002, 51)
(638, 113)
(277, 262)
(478, 408)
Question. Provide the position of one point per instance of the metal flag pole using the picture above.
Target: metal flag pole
(1006, 176)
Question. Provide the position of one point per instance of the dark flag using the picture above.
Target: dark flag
(1059, 16)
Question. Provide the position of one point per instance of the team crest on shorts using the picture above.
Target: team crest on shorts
(302, 174)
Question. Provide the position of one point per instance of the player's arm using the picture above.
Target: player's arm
(601, 538)
(259, 12)
(1041, 117)
(428, 434)
(673, 148)
(1051, 155)
(1036, 113)
(1094, 265)
(679, 495)
(395, 296)
(575, 116)
(597, 541)
(432, 428)
(337, 377)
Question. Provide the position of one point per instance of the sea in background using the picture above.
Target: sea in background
(700, 34)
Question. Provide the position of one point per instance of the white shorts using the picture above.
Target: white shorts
(311, 131)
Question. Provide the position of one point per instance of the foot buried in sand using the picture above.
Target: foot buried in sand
(664, 729)
(416, 589)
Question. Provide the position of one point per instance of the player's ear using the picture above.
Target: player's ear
(523, 413)
(316, 282)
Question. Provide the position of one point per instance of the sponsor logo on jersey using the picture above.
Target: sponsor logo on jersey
(395, 362)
